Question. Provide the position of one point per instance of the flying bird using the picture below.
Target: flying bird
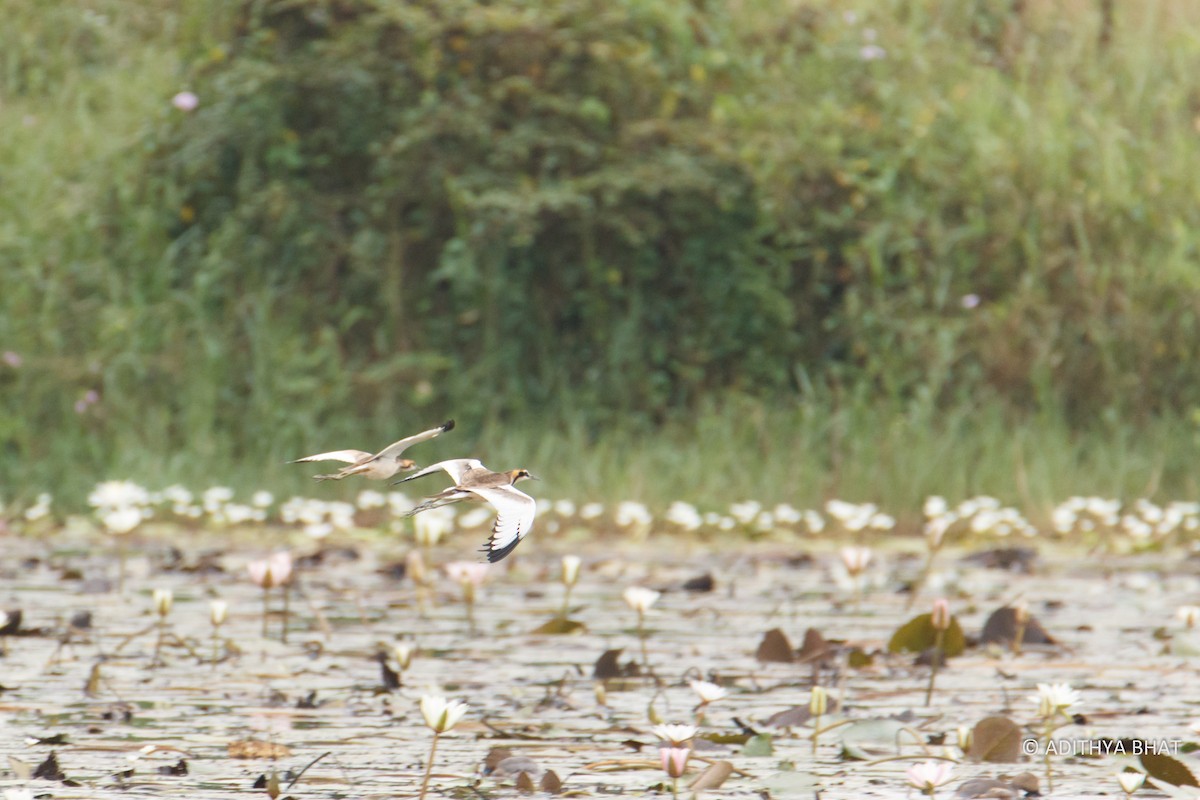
(473, 481)
(379, 466)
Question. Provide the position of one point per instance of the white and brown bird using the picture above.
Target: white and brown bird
(473, 481)
(377, 466)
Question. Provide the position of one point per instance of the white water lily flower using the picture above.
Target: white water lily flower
(218, 610)
(118, 494)
(707, 692)
(929, 775)
(262, 498)
(121, 520)
(441, 714)
(591, 511)
(1054, 698)
(1131, 781)
(675, 734)
(640, 599)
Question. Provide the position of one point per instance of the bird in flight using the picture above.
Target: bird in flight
(473, 481)
(378, 466)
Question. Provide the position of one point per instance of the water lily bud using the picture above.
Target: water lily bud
(674, 760)
(218, 610)
(163, 600)
(403, 651)
(1020, 612)
(414, 567)
(570, 569)
(941, 614)
(819, 701)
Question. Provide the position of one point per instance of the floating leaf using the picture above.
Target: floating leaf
(253, 748)
(760, 745)
(494, 757)
(700, 583)
(1001, 628)
(871, 738)
(49, 770)
(727, 738)
(815, 646)
(918, 635)
(551, 783)
(515, 766)
(525, 783)
(716, 774)
(22, 770)
(859, 658)
(996, 740)
(775, 647)
(1170, 770)
(607, 666)
(791, 717)
(557, 626)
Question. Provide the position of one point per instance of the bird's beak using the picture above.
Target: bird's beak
(534, 477)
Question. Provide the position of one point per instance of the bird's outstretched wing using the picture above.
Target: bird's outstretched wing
(349, 456)
(396, 448)
(455, 468)
(515, 511)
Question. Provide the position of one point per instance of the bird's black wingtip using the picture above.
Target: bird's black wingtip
(498, 554)
(448, 425)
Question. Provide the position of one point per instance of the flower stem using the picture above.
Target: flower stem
(287, 596)
(642, 638)
(265, 610)
(429, 767)
(816, 733)
(938, 637)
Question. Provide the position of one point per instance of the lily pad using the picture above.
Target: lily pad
(996, 740)
(918, 635)
(558, 626)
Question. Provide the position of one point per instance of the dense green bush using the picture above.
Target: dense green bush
(506, 204)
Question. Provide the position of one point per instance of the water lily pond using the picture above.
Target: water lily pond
(1069, 656)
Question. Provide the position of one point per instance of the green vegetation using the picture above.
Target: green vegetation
(636, 245)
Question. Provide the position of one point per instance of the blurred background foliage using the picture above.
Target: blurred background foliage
(880, 249)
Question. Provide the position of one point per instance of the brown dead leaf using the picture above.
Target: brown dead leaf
(996, 740)
(551, 783)
(608, 666)
(775, 647)
(1001, 628)
(253, 748)
(814, 648)
(525, 783)
(712, 777)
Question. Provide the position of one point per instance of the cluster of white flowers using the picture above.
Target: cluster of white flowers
(1143, 521)
(980, 515)
(855, 517)
(120, 505)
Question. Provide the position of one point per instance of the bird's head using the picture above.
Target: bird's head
(522, 474)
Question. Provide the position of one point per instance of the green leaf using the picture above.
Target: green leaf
(558, 626)
(1167, 769)
(918, 635)
(760, 745)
